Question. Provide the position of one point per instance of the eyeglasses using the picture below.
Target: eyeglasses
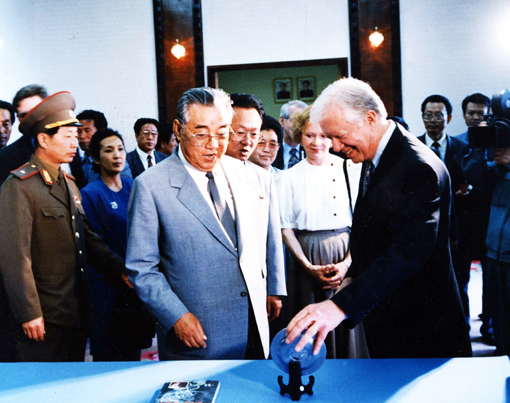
(202, 139)
(273, 145)
(148, 133)
(438, 117)
(240, 135)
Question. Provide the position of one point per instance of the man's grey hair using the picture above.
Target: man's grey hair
(202, 96)
(353, 96)
(286, 108)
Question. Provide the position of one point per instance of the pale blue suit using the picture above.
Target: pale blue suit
(180, 259)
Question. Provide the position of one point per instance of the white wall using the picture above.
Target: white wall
(453, 48)
(17, 61)
(102, 51)
(248, 31)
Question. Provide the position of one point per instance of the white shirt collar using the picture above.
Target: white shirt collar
(443, 143)
(383, 142)
(429, 141)
(143, 157)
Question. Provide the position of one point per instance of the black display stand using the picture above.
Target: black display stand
(295, 388)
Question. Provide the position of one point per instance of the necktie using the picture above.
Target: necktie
(293, 157)
(149, 159)
(62, 184)
(222, 210)
(367, 175)
(435, 148)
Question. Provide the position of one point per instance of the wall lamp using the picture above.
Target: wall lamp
(178, 50)
(376, 38)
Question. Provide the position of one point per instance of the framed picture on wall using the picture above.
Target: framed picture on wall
(306, 88)
(282, 89)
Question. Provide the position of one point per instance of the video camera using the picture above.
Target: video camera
(497, 132)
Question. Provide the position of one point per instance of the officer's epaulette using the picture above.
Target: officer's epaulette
(68, 175)
(25, 171)
(28, 170)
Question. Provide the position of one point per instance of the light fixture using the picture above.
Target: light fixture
(178, 50)
(376, 38)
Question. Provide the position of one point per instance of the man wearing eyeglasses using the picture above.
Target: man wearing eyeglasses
(246, 123)
(436, 114)
(204, 246)
(271, 138)
(144, 156)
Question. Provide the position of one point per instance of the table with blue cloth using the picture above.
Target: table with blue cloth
(363, 380)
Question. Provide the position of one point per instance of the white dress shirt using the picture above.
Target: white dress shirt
(442, 144)
(314, 197)
(383, 142)
(201, 180)
(143, 156)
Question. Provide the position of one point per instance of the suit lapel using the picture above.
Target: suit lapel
(389, 158)
(138, 164)
(241, 203)
(191, 197)
(449, 154)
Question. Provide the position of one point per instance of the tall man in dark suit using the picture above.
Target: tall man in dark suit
(44, 238)
(477, 210)
(436, 114)
(290, 153)
(404, 288)
(144, 155)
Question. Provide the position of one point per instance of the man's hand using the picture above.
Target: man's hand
(34, 329)
(318, 318)
(274, 306)
(126, 280)
(189, 330)
(502, 156)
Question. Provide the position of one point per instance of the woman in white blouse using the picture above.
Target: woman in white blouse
(316, 199)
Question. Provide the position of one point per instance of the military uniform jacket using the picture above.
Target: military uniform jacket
(44, 236)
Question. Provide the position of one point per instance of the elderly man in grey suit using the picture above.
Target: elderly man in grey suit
(204, 250)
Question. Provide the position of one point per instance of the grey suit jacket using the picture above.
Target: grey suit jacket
(180, 259)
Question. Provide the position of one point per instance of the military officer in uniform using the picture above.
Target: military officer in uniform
(43, 240)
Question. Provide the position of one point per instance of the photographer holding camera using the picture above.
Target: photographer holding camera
(494, 176)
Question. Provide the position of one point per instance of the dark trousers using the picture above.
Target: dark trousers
(499, 289)
(58, 346)
(254, 349)
(461, 260)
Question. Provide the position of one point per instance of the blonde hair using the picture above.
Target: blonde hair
(301, 118)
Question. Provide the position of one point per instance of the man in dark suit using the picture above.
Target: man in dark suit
(404, 288)
(144, 155)
(290, 153)
(44, 238)
(436, 114)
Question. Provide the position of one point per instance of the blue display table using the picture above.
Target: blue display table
(477, 380)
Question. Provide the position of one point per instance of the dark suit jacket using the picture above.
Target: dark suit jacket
(136, 164)
(278, 162)
(405, 289)
(455, 150)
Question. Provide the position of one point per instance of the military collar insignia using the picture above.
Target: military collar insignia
(47, 177)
